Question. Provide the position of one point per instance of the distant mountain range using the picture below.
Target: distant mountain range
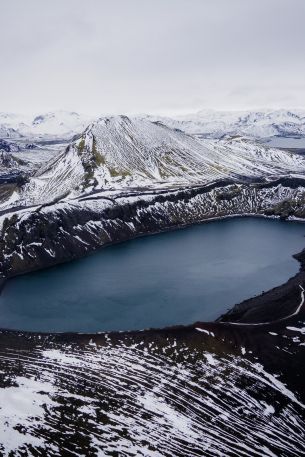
(255, 124)
(63, 124)
(206, 123)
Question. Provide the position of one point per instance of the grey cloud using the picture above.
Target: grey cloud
(151, 55)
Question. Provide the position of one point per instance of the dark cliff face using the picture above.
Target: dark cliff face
(41, 237)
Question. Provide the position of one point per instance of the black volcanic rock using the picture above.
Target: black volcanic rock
(8, 146)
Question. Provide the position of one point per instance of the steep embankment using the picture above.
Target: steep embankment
(43, 236)
(213, 389)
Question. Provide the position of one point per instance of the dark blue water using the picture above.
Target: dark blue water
(172, 278)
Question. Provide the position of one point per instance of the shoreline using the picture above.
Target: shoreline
(238, 315)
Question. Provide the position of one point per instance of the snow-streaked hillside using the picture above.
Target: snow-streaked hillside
(200, 392)
(55, 124)
(120, 153)
(256, 124)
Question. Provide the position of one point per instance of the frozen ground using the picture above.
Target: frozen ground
(201, 391)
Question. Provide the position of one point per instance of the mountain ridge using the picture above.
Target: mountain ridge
(52, 124)
(118, 152)
(258, 124)
(123, 178)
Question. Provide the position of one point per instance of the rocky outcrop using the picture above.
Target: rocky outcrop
(39, 237)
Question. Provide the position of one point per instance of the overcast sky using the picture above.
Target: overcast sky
(166, 56)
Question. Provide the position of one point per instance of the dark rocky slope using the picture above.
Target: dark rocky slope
(39, 237)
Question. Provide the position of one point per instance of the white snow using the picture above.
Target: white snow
(257, 124)
(154, 156)
(24, 405)
(45, 125)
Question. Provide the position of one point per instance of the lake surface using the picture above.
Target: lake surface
(286, 142)
(172, 278)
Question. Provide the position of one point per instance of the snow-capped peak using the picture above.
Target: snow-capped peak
(255, 124)
(63, 124)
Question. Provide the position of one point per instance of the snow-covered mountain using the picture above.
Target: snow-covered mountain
(57, 124)
(255, 124)
(206, 123)
(120, 153)
(125, 177)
